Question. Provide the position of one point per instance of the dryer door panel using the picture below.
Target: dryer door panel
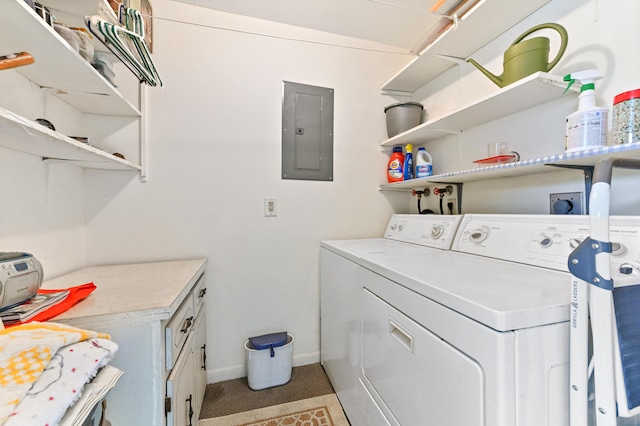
(419, 377)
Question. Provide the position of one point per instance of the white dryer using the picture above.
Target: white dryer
(476, 335)
(341, 274)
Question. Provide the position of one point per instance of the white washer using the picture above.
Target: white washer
(415, 333)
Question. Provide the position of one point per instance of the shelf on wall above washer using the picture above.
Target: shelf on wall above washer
(481, 24)
(526, 167)
(531, 91)
(21, 134)
(57, 65)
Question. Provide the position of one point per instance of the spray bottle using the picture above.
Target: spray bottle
(587, 127)
(408, 162)
(424, 166)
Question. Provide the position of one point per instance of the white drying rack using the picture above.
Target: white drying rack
(127, 43)
(612, 312)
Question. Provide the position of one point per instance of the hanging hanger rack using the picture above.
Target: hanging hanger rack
(121, 39)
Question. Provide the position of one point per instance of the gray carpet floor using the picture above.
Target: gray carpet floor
(235, 396)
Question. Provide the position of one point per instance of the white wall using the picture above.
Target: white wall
(215, 154)
(42, 211)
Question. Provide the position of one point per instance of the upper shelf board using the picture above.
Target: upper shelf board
(21, 134)
(483, 23)
(57, 65)
(583, 158)
(531, 91)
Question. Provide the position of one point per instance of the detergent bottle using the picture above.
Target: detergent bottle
(395, 166)
(587, 127)
(424, 166)
(408, 163)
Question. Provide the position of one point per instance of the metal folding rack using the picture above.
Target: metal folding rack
(612, 312)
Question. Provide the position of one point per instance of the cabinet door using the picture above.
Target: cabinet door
(200, 364)
(180, 386)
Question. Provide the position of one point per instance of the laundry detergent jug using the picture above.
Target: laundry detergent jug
(424, 164)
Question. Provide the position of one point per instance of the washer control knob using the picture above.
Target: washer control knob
(546, 242)
(625, 269)
(618, 249)
(401, 227)
(437, 231)
(393, 226)
(479, 235)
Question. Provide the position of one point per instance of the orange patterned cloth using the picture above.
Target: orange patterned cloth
(25, 351)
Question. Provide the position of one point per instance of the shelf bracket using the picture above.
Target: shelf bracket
(588, 178)
(454, 59)
(383, 188)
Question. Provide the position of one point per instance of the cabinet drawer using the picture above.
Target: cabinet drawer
(178, 330)
(199, 290)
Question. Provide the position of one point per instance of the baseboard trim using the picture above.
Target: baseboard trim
(236, 372)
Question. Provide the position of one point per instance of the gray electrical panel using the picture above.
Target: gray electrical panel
(307, 132)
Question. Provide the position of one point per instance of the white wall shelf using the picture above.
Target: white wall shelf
(526, 167)
(20, 134)
(531, 91)
(484, 22)
(57, 65)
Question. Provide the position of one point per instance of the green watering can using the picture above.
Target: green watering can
(527, 57)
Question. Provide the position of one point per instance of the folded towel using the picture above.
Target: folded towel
(92, 394)
(62, 382)
(25, 351)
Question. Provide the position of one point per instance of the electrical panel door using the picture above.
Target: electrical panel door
(307, 132)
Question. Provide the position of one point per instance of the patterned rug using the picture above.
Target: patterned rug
(319, 411)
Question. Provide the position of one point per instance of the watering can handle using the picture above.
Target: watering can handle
(564, 39)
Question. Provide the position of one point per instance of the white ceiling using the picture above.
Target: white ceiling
(401, 23)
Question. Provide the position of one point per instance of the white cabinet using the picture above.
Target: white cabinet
(139, 305)
(180, 390)
(200, 367)
(61, 71)
(188, 379)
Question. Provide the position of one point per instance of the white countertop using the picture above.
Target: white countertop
(149, 288)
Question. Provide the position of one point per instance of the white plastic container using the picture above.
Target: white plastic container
(587, 127)
(265, 371)
(626, 118)
(424, 164)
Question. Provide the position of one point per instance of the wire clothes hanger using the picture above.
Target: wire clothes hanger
(120, 40)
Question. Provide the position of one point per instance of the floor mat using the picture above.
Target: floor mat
(322, 411)
(235, 396)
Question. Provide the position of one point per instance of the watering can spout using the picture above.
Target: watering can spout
(496, 79)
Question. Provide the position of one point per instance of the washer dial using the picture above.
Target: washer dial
(479, 235)
(546, 242)
(437, 231)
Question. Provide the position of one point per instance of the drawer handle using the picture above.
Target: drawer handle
(204, 356)
(202, 292)
(189, 400)
(187, 325)
(401, 335)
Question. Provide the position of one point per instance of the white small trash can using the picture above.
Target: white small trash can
(269, 360)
